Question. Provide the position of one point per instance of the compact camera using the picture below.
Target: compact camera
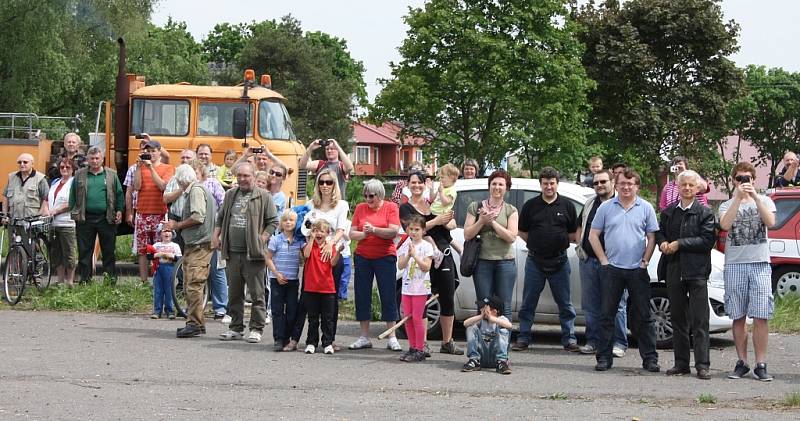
(673, 169)
(139, 136)
(324, 142)
(146, 156)
(257, 150)
(743, 178)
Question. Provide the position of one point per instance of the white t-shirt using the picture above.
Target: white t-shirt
(747, 238)
(337, 217)
(170, 247)
(488, 327)
(415, 280)
(62, 219)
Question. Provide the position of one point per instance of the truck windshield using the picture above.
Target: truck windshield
(216, 118)
(160, 117)
(274, 121)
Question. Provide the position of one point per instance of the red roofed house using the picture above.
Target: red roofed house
(377, 150)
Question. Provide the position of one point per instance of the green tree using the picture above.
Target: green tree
(344, 67)
(168, 55)
(480, 79)
(770, 114)
(307, 74)
(663, 76)
(224, 43)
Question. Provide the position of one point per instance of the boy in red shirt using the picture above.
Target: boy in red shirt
(319, 289)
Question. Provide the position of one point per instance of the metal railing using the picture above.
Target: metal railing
(29, 125)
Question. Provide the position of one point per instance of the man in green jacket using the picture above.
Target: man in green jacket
(96, 202)
(248, 217)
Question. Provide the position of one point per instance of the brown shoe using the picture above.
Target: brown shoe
(572, 347)
(519, 346)
(677, 371)
(703, 374)
(291, 346)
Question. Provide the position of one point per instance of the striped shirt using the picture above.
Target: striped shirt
(286, 256)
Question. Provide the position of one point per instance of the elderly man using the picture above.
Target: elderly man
(204, 155)
(96, 202)
(685, 238)
(149, 180)
(790, 176)
(196, 225)
(26, 191)
(628, 225)
(173, 193)
(335, 158)
(248, 217)
(72, 151)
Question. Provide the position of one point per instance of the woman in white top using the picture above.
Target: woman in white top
(64, 247)
(327, 204)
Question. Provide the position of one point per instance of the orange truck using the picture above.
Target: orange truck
(182, 116)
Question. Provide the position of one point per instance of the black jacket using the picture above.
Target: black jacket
(695, 242)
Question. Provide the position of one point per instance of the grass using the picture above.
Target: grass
(792, 400)
(786, 317)
(104, 296)
(347, 308)
(707, 398)
(123, 249)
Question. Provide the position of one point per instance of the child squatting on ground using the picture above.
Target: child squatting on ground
(283, 263)
(319, 289)
(488, 334)
(415, 258)
(167, 254)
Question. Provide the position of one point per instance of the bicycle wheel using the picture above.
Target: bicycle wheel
(42, 274)
(15, 275)
(179, 292)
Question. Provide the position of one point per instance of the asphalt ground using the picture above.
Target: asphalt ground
(67, 366)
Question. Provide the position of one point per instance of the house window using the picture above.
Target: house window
(362, 155)
(418, 155)
(375, 151)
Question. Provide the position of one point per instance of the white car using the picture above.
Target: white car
(547, 312)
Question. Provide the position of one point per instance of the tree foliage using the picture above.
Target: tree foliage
(663, 75)
(168, 55)
(482, 78)
(769, 115)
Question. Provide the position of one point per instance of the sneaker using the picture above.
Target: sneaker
(740, 370)
(451, 348)
(588, 349)
(230, 335)
(361, 343)
(394, 345)
(155, 316)
(471, 365)
(219, 316)
(310, 349)
(416, 356)
(291, 346)
(426, 350)
(328, 350)
(572, 347)
(618, 352)
(502, 367)
(254, 337)
(760, 373)
(226, 320)
(171, 316)
(190, 331)
(405, 355)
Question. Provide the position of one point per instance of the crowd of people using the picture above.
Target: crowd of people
(237, 233)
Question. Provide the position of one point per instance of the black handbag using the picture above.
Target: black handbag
(472, 249)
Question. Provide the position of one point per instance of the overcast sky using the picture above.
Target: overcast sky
(375, 28)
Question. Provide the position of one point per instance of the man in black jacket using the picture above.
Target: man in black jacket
(685, 238)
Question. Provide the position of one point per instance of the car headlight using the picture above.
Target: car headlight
(715, 279)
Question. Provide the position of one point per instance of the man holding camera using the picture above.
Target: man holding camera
(335, 158)
(150, 178)
(748, 274)
(671, 193)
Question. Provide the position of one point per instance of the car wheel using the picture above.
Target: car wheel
(662, 315)
(786, 280)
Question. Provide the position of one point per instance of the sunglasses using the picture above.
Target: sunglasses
(368, 196)
(64, 167)
(276, 173)
(23, 162)
(599, 182)
(326, 182)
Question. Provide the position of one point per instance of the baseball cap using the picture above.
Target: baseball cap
(153, 144)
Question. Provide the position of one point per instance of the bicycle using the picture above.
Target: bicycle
(28, 259)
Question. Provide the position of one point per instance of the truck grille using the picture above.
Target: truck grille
(302, 178)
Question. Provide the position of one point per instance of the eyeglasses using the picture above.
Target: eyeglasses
(276, 173)
(368, 196)
(326, 182)
(23, 162)
(598, 182)
(64, 167)
(626, 184)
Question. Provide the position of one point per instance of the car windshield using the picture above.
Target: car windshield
(274, 121)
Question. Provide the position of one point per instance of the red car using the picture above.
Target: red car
(784, 241)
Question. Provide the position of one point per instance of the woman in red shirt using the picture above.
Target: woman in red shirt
(375, 224)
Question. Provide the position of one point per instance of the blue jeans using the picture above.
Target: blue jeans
(637, 281)
(559, 286)
(284, 308)
(488, 353)
(591, 303)
(383, 270)
(162, 288)
(218, 282)
(344, 281)
(496, 277)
